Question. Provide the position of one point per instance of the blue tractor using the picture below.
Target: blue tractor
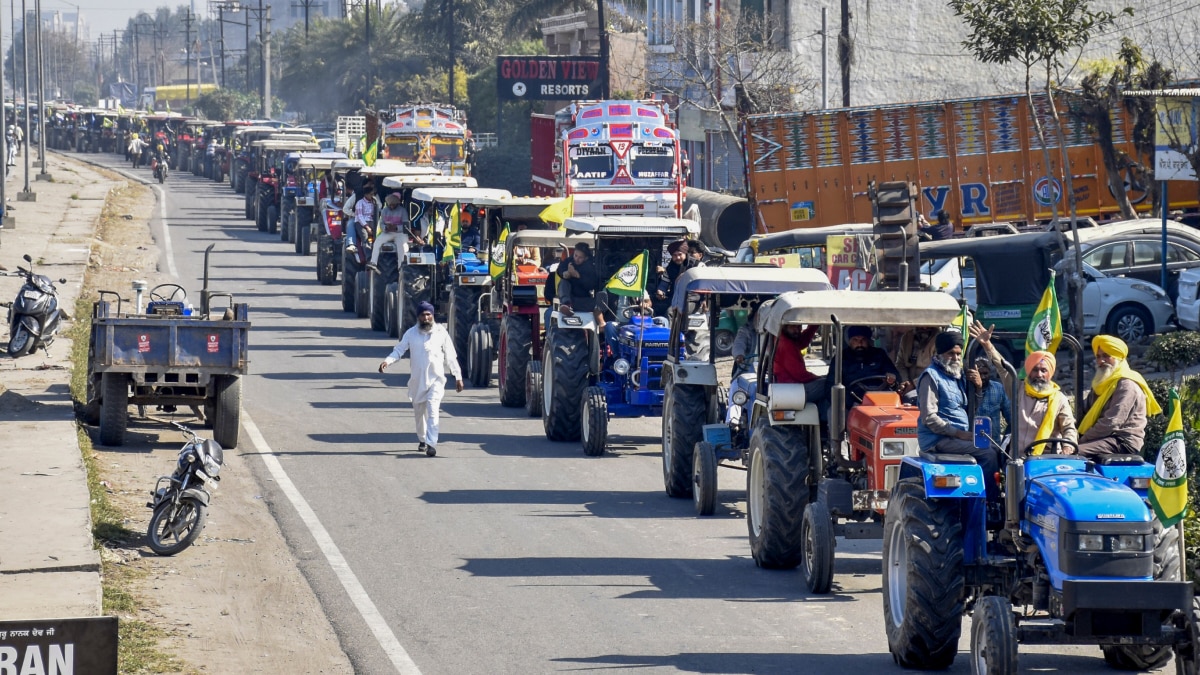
(1072, 555)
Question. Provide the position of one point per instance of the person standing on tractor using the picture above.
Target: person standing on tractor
(431, 354)
(393, 227)
(1118, 404)
(580, 279)
(1044, 410)
(944, 425)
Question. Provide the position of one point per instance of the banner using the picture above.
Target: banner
(845, 264)
(1174, 138)
(549, 78)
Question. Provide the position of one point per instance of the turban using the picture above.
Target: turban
(423, 307)
(1035, 358)
(858, 331)
(947, 340)
(677, 246)
(1110, 345)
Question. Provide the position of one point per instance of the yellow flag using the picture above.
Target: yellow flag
(630, 280)
(371, 154)
(453, 234)
(499, 255)
(1045, 331)
(559, 211)
(1168, 488)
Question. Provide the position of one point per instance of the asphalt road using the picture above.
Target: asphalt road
(506, 553)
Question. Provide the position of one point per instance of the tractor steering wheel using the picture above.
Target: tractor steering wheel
(636, 310)
(868, 383)
(176, 289)
(1048, 441)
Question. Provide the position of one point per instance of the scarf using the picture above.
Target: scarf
(1104, 391)
(1046, 428)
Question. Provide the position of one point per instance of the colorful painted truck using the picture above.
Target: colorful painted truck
(616, 157)
(979, 159)
(429, 135)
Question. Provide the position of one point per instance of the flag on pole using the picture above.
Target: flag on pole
(1045, 331)
(630, 280)
(499, 255)
(1168, 488)
(559, 211)
(963, 322)
(371, 153)
(453, 234)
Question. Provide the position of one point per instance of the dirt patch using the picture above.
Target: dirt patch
(235, 601)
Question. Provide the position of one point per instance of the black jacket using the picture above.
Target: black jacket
(579, 293)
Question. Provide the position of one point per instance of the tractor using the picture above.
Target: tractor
(300, 197)
(332, 225)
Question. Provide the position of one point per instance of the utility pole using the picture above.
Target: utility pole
(845, 53)
(824, 58)
(41, 97)
(370, 65)
(307, 6)
(187, 22)
(26, 195)
(261, 54)
(266, 40)
(450, 43)
(7, 221)
(600, 19)
(221, 28)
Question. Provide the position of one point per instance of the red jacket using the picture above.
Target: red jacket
(789, 362)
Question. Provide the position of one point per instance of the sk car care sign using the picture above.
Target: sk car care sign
(548, 78)
(59, 646)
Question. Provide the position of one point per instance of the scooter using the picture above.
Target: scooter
(34, 317)
(181, 506)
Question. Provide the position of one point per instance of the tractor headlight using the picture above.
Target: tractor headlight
(892, 448)
(740, 397)
(1091, 542)
(621, 367)
(1129, 542)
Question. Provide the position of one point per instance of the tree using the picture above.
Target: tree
(1032, 33)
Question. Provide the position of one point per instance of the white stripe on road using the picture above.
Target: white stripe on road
(358, 595)
(162, 215)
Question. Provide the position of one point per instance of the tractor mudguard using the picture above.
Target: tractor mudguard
(692, 372)
(1135, 475)
(956, 479)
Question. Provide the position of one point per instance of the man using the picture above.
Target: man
(365, 210)
(991, 398)
(1118, 403)
(863, 360)
(913, 352)
(943, 230)
(943, 425)
(789, 366)
(393, 227)
(431, 355)
(580, 279)
(680, 262)
(470, 238)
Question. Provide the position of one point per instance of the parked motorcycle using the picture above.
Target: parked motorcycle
(181, 506)
(34, 317)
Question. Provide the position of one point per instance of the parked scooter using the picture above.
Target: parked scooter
(33, 317)
(181, 506)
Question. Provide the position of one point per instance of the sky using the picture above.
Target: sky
(104, 16)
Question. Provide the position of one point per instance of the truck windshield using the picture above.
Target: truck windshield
(591, 163)
(650, 162)
(446, 149)
(404, 148)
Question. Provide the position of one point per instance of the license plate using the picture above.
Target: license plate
(32, 295)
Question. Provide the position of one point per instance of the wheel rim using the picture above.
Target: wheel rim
(897, 574)
(668, 453)
(587, 420)
(1131, 328)
(756, 500)
(808, 542)
(19, 339)
(697, 477)
(180, 526)
(724, 341)
(547, 379)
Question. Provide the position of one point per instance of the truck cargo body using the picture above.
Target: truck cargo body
(979, 159)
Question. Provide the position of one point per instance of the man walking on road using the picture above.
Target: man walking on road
(431, 355)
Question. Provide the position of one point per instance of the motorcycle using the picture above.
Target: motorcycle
(34, 317)
(181, 506)
(159, 167)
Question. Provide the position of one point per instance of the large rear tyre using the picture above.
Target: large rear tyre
(816, 536)
(704, 479)
(362, 291)
(248, 198)
(516, 340)
(993, 637)
(227, 412)
(389, 309)
(594, 418)
(417, 289)
(114, 408)
(533, 389)
(684, 412)
(776, 494)
(565, 376)
(479, 358)
(174, 528)
(1166, 568)
(272, 217)
(349, 276)
(287, 220)
(378, 300)
(922, 577)
(90, 410)
(464, 305)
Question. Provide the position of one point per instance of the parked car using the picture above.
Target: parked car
(1134, 249)
(1187, 306)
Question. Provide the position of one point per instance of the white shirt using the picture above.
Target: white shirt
(432, 354)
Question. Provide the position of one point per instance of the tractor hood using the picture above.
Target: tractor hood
(652, 336)
(1084, 498)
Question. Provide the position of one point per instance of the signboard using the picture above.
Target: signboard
(62, 646)
(548, 78)
(845, 264)
(1174, 131)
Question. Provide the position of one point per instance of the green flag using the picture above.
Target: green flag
(453, 234)
(630, 280)
(372, 153)
(1045, 331)
(1168, 488)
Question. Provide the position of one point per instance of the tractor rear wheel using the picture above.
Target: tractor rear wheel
(565, 376)
(463, 307)
(816, 536)
(922, 577)
(994, 637)
(1166, 568)
(415, 291)
(776, 494)
(516, 339)
(326, 270)
(389, 309)
(684, 413)
(479, 358)
(303, 229)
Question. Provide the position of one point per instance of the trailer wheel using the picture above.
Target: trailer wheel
(1166, 568)
(349, 276)
(362, 297)
(994, 637)
(922, 577)
(114, 408)
(565, 375)
(516, 340)
(227, 418)
(816, 537)
(704, 478)
(684, 413)
(594, 422)
(90, 410)
(533, 389)
(776, 494)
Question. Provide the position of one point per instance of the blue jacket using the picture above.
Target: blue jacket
(951, 401)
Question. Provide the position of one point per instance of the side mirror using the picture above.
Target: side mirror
(27, 258)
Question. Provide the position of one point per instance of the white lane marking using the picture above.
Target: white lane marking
(358, 595)
(162, 215)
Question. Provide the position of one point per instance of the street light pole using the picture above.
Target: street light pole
(27, 195)
(41, 97)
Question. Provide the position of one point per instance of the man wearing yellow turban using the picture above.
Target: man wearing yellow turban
(1044, 411)
(1118, 403)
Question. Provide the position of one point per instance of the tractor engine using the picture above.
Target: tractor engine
(632, 375)
(882, 432)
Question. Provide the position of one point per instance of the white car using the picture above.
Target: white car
(1130, 309)
(1187, 306)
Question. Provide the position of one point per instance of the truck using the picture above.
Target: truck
(173, 96)
(978, 159)
(429, 135)
(615, 157)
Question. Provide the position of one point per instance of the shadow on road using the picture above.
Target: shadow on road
(599, 503)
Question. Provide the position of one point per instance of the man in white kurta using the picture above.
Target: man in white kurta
(431, 355)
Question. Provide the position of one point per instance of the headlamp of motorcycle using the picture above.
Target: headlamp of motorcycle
(211, 467)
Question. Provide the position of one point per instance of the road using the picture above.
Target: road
(506, 553)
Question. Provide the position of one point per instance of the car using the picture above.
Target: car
(1134, 249)
(1187, 305)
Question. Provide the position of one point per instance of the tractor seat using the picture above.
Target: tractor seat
(1118, 459)
(947, 458)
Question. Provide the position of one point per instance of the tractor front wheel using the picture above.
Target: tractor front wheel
(994, 637)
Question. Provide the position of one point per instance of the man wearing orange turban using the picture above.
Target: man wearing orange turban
(1044, 411)
(1118, 403)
